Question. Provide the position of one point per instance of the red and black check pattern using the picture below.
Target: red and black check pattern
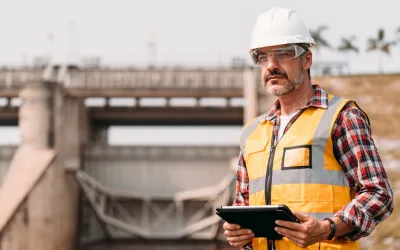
(356, 152)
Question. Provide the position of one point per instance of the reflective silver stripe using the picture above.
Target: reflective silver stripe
(300, 176)
(320, 216)
(256, 185)
(312, 176)
(319, 143)
(322, 133)
(248, 130)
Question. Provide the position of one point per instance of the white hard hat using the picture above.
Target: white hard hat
(280, 26)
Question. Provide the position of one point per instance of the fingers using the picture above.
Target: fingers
(290, 233)
(302, 217)
(236, 236)
(288, 224)
(240, 238)
(228, 226)
(239, 232)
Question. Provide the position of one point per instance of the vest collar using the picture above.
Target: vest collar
(318, 100)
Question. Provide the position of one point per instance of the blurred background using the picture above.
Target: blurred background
(146, 101)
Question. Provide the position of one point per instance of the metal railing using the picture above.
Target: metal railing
(167, 79)
(15, 78)
(131, 79)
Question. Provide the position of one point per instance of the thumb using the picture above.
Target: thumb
(301, 217)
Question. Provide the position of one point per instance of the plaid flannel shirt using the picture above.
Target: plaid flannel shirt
(356, 152)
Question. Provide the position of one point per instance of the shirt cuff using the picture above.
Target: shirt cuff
(355, 235)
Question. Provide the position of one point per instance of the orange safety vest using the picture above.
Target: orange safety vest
(300, 171)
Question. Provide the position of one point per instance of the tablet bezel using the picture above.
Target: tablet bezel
(251, 217)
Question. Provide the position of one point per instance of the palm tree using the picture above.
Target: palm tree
(347, 47)
(381, 45)
(318, 37)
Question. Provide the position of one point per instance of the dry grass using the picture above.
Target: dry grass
(379, 97)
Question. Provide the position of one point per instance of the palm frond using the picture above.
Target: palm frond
(318, 38)
(347, 45)
(381, 34)
(324, 43)
(385, 47)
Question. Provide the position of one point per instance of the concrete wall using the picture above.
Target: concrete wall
(6, 154)
(159, 171)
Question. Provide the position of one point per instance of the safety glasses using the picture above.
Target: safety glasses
(282, 54)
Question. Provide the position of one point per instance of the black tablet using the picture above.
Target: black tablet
(260, 219)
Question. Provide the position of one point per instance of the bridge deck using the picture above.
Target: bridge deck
(135, 83)
(149, 115)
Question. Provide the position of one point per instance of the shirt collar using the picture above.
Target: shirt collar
(318, 100)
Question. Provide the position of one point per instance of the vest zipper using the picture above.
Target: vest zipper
(268, 181)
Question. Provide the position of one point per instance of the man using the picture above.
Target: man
(312, 151)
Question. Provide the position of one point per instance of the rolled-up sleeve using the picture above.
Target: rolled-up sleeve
(242, 184)
(242, 189)
(357, 154)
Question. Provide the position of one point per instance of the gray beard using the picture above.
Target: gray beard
(291, 86)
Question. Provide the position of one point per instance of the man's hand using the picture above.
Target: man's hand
(236, 236)
(303, 234)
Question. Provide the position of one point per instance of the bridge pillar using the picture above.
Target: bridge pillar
(99, 134)
(47, 218)
(8, 104)
(250, 94)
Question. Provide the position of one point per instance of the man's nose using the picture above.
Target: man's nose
(272, 64)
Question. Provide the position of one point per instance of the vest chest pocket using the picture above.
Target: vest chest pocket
(303, 181)
(297, 157)
(256, 155)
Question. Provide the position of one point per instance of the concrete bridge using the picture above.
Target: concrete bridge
(155, 197)
(167, 84)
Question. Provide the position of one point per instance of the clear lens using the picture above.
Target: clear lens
(281, 54)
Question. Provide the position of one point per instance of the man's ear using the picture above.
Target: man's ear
(307, 60)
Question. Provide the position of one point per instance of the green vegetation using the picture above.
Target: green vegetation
(347, 45)
(318, 37)
(379, 43)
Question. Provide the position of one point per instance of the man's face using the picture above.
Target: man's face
(280, 75)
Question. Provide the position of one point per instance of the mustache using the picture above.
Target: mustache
(274, 73)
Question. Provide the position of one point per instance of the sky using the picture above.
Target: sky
(186, 33)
